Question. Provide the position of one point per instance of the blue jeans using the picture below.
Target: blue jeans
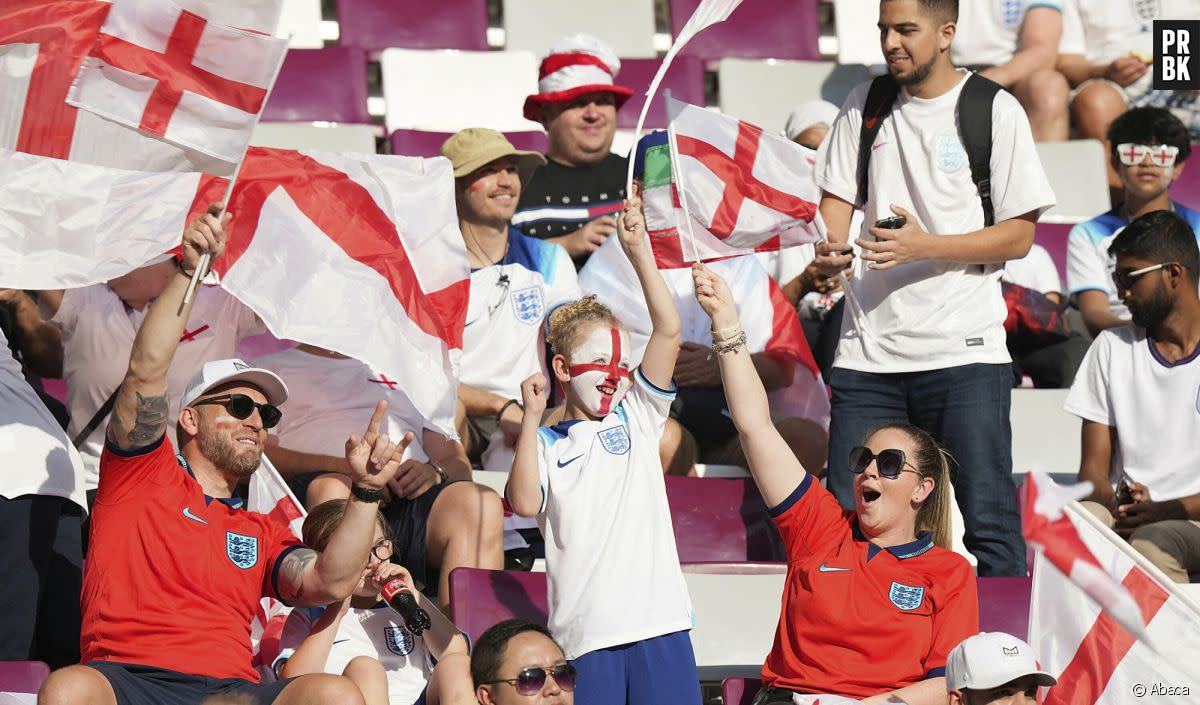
(967, 409)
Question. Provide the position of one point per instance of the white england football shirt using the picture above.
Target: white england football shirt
(989, 30)
(1104, 30)
(379, 633)
(331, 398)
(931, 314)
(612, 570)
(98, 333)
(1154, 406)
(502, 341)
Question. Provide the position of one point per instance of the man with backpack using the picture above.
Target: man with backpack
(943, 164)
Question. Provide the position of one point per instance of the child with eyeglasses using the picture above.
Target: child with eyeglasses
(874, 599)
(618, 603)
(363, 639)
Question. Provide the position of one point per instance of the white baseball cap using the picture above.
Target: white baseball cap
(991, 659)
(220, 372)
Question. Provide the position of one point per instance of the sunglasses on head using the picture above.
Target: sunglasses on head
(889, 462)
(1162, 155)
(241, 406)
(530, 681)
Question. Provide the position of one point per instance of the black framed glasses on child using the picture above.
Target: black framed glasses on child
(241, 406)
(382, 550)
(890, 462)
(530, 681)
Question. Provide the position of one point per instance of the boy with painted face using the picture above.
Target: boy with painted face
(618, 602)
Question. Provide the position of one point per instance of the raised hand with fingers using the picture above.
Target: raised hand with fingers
(374, 459)
(632, 225)
(205, 235)
(714, 296)
(533, 395)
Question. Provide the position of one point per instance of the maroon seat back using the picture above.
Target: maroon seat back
(320, 85)
(376, 25)
(757, 29)
(685, 80)
(739, 691)
(1053, 237)
(1004, 605)
(719, 519)
(420, 143)
(480, 598)
(22, 676)
(1187, 189)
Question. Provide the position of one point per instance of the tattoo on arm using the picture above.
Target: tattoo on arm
(151, 419)
(291, 575)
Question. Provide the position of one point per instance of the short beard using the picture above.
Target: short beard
(1153, 311)
(918, 75)
(222, 452)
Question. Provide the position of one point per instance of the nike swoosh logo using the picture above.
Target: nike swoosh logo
(875, 147)
(561, 464)
(340, 641)
(830, 569)
(187, 512)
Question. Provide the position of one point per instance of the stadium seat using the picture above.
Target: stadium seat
(445, 91)
(685, 80)
(376, 25)
(1045, 437)
(857, 37)
(1079, 177)
(338, 138)
(757, 29)
(1004, 605)
(1053, 237)
(536, 25)
(721, 520)
(22, 676)
(1187, 189)
(301, 21)
(418, 143)
(764, 93)
(711, 470)
(328, 85)
(739, 691)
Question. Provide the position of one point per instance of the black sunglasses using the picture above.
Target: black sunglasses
(1125, 279)
(890, 462)
(241, 406)
(531, 680)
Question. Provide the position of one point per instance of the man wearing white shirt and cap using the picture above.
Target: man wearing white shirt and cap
(994, 668)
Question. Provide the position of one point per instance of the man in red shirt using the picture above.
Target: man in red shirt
(177, 566)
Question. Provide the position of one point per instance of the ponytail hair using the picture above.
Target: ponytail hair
(931, 461)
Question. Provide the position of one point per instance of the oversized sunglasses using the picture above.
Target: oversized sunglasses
(1126, 280)
(1162, 155)
(531, 680)
(241, 406)
(890, 462)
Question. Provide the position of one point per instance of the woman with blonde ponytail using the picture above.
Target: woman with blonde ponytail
(874, 600)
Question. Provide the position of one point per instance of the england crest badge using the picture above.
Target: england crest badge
(906, 597)
(399, 640)
(242, 550)
(527, 305)
(615, 440)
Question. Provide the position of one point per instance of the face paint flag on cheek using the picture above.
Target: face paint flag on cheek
(588, 380)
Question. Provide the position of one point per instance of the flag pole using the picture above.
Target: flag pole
(206, 258)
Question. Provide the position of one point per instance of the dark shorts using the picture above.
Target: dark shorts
(146, 685)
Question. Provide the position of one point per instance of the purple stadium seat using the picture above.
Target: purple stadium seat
(757, 29)
(1053, 237)
(739, 691)
(418, 143)
(1004, 605)
(1187, 189)
(685, 80)
(376, 25)
(718, 519)
(320, 85)
(22, 676)
(480, 598)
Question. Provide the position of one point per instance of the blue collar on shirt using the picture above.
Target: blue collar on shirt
(562, 428)
(912, 549)
(231, 502)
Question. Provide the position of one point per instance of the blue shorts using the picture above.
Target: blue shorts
(134, 684)
(656, 671)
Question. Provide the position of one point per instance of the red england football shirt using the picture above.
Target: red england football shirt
(173, 576)
(858, 619)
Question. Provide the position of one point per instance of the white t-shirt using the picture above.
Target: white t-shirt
(932, 314)
(989, 31)
(502, 340)
(379, 633)
(612, 570)
(1154, 407)
(331, 398)
(98, 335)
(1035, 270)
(36, 456)
(1104, 30)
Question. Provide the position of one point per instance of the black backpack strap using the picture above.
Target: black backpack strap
(880, 97)
(975, 129)
(101, 414)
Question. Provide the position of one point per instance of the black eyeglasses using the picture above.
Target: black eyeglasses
(241, 406)
(1126, 280)
(890, 462)
(531, 680)
(382, 550)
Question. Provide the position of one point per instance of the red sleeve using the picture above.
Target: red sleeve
(809, 518)
(122, 471)
(280, 541)
(955, 615)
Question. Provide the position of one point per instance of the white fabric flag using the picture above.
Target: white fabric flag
(269, 494)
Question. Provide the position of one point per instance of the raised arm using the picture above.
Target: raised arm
(658, 362)
(140, 415)
(524, 492)
(775, 468)
(308, 578)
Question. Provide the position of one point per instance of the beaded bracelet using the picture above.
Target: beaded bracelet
(725, 346)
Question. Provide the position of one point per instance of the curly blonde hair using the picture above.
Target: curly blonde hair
(570, 319)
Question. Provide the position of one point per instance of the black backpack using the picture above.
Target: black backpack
(974, 111)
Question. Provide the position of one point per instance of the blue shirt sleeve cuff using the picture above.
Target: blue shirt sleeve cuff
(794, 497)
(275, 571)
(936, 673)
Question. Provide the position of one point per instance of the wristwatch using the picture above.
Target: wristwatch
(442, 476)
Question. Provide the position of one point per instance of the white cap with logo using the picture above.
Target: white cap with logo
(991, 659)
(220, 372)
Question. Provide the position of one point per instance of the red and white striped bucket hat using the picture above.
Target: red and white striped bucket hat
(577, 65)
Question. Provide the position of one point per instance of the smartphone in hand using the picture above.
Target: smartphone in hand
(894, 222)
